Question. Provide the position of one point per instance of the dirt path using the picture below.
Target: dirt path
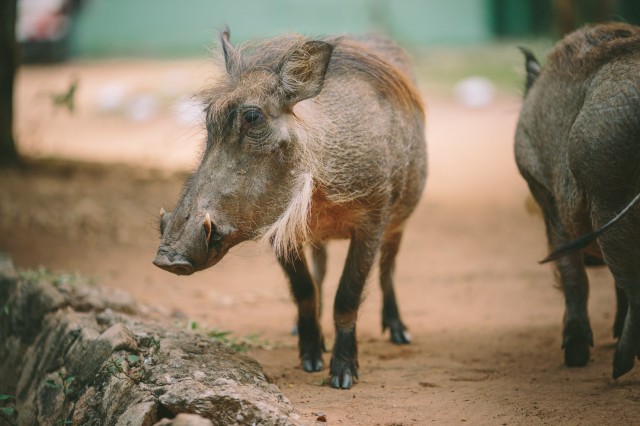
(484, 316)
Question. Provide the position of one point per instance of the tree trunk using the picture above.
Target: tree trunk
(8, 67)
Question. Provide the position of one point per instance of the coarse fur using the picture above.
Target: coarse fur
(307, 140)
(349, 56)
(577, 144)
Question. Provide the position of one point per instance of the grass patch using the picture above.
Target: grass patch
(41, 274)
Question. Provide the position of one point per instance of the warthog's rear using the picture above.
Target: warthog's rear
(578, 147)
(308, 140)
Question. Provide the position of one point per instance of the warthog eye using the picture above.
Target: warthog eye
(253, 116)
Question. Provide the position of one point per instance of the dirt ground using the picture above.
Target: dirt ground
(484, 316)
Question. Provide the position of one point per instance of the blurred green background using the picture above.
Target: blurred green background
(188, 27)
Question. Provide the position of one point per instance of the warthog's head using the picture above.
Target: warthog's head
(255, 176)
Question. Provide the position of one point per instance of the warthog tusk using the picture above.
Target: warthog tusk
(162, 212)
(207, 226)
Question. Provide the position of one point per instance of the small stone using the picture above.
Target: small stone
(120, 337)
(184, 419)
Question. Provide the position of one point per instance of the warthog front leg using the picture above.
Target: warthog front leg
(305, 293)
(390, 313)
(344, 360)
(319, 262)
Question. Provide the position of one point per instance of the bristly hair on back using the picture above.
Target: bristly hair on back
(591, 46)
(355, 57)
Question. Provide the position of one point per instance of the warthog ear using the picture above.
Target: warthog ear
(302, 72)
(231, 57)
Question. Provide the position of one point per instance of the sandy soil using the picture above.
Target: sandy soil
(484, 316)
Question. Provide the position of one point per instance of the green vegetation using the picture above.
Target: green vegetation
(6, 412)
(57, 279)
(66, 99)
(227, 339)
(238, 343)
(130, 367)
(65, 382)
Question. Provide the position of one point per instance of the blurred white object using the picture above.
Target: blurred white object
(475, 91)
(111, 97)
(188, 112)
(142, 108)
(41, 20)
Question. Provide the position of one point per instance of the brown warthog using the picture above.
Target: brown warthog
(308, 140)
(577, 144)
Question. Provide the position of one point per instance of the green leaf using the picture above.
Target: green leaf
(5, 397)
(133, 359)
(7, 410)
(52, 383)
(70, 379)
(218, 334)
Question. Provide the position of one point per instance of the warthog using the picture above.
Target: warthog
(577, 144)
(307, 140)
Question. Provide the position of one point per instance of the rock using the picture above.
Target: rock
(120, 337)
(94, 298)
(185, 420)
(81, 354)
(143, 414)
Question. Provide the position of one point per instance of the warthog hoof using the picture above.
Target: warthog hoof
(311, 354)
(576, 353)
(628, 349)
(577, 340)
(343, 374)
(312, 363)
(623, 359)
(398, 332)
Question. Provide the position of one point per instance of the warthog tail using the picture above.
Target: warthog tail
(585, 240)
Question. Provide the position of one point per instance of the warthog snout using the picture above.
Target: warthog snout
(174, 264)
(190, 243)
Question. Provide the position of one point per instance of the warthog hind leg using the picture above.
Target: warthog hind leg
(390, 313)
(621, 311)
(577, 336)
(629, 341)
